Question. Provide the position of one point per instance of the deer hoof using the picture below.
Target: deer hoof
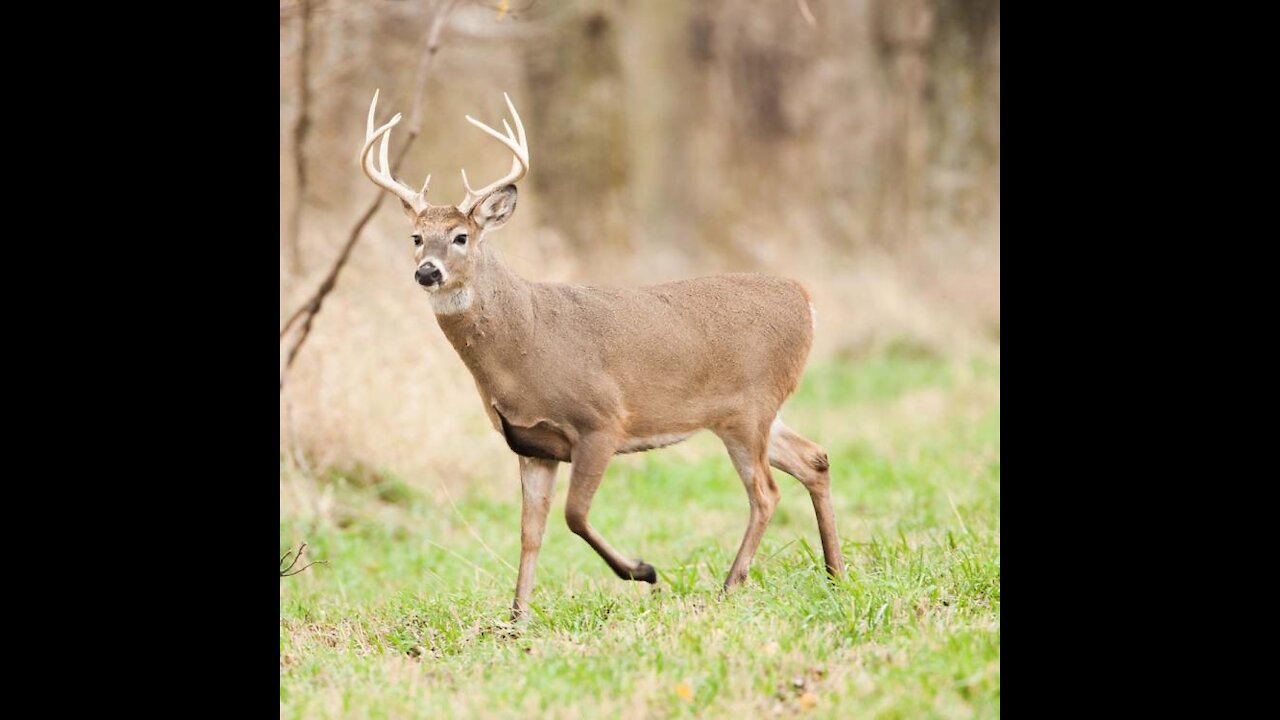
(644, 571)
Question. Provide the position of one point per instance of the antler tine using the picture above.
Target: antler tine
(373, 108)
(519, 125)
(381, 176)
(515, 142)
(383, 151)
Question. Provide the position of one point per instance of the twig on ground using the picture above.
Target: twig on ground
(289, 571)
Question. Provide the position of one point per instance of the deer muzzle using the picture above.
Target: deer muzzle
(428, 275)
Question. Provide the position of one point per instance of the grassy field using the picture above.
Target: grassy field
(406, 619)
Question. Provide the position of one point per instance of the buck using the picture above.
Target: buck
(573, 374)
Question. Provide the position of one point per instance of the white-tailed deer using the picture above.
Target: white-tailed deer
(579, 374)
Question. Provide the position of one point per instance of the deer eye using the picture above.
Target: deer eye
(417, 240)
(460, 240)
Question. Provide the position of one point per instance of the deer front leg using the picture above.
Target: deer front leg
(537, 482)
(590, 458)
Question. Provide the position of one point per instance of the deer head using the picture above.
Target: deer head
(446, 236)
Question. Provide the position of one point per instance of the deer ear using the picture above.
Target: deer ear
(494, 211)
(408, 211)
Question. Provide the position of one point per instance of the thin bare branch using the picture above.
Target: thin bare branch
(306, 313)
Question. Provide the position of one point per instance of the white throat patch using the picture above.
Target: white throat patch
(451, 302)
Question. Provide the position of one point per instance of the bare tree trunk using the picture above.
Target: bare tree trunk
(964, 77)
(904, 29)
(660, 79)
(301, 125)
(579, 112)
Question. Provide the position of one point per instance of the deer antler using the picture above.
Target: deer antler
(382, 176)
(519, 162)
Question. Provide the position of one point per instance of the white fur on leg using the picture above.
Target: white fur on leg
(777, 425)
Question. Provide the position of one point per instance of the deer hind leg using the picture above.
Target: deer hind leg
(806, 461)
(590, 458)
(749, 452)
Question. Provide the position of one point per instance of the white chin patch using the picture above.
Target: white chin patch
(450, 302)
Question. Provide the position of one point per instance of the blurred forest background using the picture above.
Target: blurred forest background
(851, 144)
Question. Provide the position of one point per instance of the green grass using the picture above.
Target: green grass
(406, 619)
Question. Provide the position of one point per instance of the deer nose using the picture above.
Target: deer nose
(428, 274)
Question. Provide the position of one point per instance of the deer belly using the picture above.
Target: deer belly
(640, 444)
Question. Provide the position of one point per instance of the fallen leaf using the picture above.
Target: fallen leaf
(808, 701)
(684, 692)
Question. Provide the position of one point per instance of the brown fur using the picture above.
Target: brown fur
(635, 362)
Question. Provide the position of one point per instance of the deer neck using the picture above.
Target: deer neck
(490, 319)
